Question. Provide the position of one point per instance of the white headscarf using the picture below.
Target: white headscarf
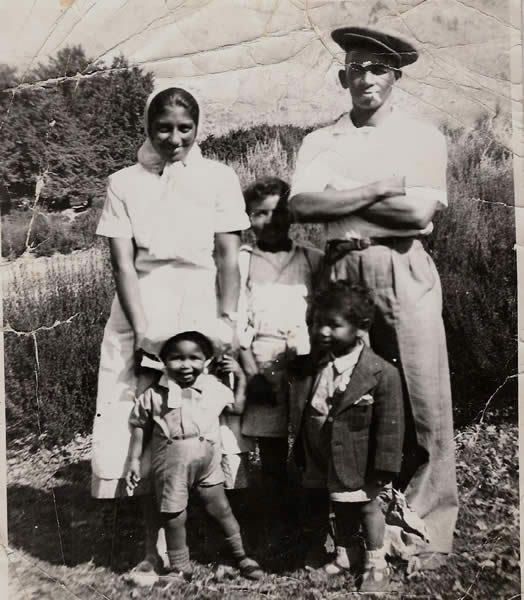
(174, 182)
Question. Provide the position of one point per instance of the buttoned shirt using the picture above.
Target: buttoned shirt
(345, 157)
(180, 411)
(334, 377)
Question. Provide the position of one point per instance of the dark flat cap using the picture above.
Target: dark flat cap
(355, 38)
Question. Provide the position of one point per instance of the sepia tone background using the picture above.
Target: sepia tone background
(75, 76)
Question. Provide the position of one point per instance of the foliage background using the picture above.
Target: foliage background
(71, 134)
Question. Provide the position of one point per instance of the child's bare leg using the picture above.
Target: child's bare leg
(152, 527)
(376, 573)
(177, 550)
(217, 506)
(348, 517)
(146, 571)
(374, 524)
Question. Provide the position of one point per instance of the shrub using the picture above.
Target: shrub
(47, 232)
(473, 247)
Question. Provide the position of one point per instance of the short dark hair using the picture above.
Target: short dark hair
(202, 341)
(169, 97)
(264, 187)
(355, 302)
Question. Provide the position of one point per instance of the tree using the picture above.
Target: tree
(8, 78)
(67, 63)
(71, 133)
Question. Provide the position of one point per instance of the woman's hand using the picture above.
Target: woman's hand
(140, 343)
(140, 336)
(127, 287)
(132, 476)
(227, 364)
(227, 246)
(231, 337)
(230, 372)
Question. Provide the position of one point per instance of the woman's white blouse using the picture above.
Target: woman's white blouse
(176, 214)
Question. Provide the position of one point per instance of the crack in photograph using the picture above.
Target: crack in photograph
(259, 297)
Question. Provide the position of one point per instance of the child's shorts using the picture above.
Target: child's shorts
(180, 465)
(236, 470)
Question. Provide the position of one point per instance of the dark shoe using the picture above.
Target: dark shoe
(250, 569)
(316, 555)
(375, 580)
(186, 574)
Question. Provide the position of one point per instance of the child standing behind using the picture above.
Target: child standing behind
(351, 427)
(181, 415)
(277, 278)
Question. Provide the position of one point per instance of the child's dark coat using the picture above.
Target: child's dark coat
(365, 436)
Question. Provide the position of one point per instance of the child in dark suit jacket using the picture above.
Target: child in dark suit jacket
(351, 426)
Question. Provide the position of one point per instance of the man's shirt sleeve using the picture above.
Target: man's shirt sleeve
(312, 172)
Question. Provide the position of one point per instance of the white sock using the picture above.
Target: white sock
(342, 558)
(376, 558)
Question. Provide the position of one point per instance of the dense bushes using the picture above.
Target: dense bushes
(472, 245)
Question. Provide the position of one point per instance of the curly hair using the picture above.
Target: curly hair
(355, 302)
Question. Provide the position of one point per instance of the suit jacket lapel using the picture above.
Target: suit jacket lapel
(362, 380)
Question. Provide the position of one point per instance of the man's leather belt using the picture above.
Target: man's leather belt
(336, 249)
(186, 436)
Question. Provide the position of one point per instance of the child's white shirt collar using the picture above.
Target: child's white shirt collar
(345, 365)
(349, 360)
(174, 394)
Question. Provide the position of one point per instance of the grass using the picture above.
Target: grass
(64, 544)
(472, 245)
(55, 370)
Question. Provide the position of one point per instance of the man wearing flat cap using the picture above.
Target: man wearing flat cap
(374, 179)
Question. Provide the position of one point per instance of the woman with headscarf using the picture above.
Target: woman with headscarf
(173, 221)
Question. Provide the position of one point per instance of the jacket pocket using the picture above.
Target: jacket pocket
(359, 417)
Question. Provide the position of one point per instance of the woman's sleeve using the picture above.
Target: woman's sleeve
(114, 221)
(230, 212)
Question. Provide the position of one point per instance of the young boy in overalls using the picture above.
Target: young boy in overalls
(180, 414)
